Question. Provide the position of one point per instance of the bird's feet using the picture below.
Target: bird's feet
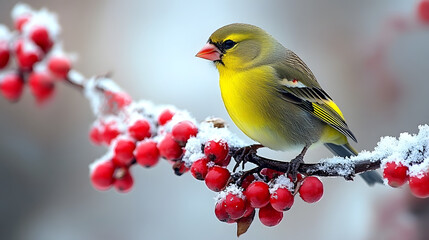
(242, 155)
(294, 166)
(296, 163)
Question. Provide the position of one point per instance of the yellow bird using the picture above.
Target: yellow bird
(273, 97)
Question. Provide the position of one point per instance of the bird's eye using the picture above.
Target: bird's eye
(228, 44)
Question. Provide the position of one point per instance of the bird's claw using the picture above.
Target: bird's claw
(243, 155)
(294, 166)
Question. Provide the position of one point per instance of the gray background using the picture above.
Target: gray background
(150, 46)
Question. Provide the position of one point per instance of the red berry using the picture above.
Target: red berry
(199, 168)
(235, 206)
(269, 216)
(18, 45)
(102, 175)
(117, 99)
(95, 135)
(419, 185)
(27, 57)
(311, 189)
(183, 130)
(140, 129)
(423, 11)
(41, 85)
(147, 153)
(11, 86)
(21, 21)
(249, 209)
(396, 174)
(220, 211)
(216, 150)
(59, 66)
(217, 178)
(40, 36)
(271, 173)
(124, 151)
(281, 199)
(165, 116)
(258, 194)
(225, 162)
(247, 181)
(124, 182)
(4, 54)
(169, 149)
(110, 132)
(180, 168)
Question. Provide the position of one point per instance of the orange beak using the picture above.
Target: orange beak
(209, 52)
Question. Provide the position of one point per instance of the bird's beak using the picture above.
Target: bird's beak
(209, 52)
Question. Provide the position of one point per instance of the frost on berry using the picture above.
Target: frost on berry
(147, 153)
(217, 178)
(11, 86)
(395, 173)
(311, 189)
(281, 198)
(216, 150)
(258, 194)
(41, 85)
(199, 168)
(269, 216)
(169, 148)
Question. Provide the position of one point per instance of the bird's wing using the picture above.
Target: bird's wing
(298, 85)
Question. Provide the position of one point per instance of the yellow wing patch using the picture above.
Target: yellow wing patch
(335, 108)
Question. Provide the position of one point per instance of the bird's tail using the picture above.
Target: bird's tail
(346, 150)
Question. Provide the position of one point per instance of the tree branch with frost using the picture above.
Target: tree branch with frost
(140, 133)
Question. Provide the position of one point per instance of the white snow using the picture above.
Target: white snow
(234, 189)
(41, 18)
(5, 34)
(21, 9)
(106, 157)
(410, 150)
(281, 182)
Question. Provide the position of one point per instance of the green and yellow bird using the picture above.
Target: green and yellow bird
(272, 96)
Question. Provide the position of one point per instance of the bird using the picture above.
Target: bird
(273, 97)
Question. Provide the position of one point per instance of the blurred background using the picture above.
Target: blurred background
(149, 46)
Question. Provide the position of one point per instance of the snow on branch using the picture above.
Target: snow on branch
(140, 133)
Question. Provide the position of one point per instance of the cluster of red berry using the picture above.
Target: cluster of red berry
(397, 175)
(33, 54)
(132, 144)
(267, 191)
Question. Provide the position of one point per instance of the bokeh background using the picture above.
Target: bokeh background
(150, 46)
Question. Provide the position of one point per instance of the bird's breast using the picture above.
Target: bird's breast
(255, 106)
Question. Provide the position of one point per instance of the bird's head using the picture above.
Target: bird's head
(237, 46)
